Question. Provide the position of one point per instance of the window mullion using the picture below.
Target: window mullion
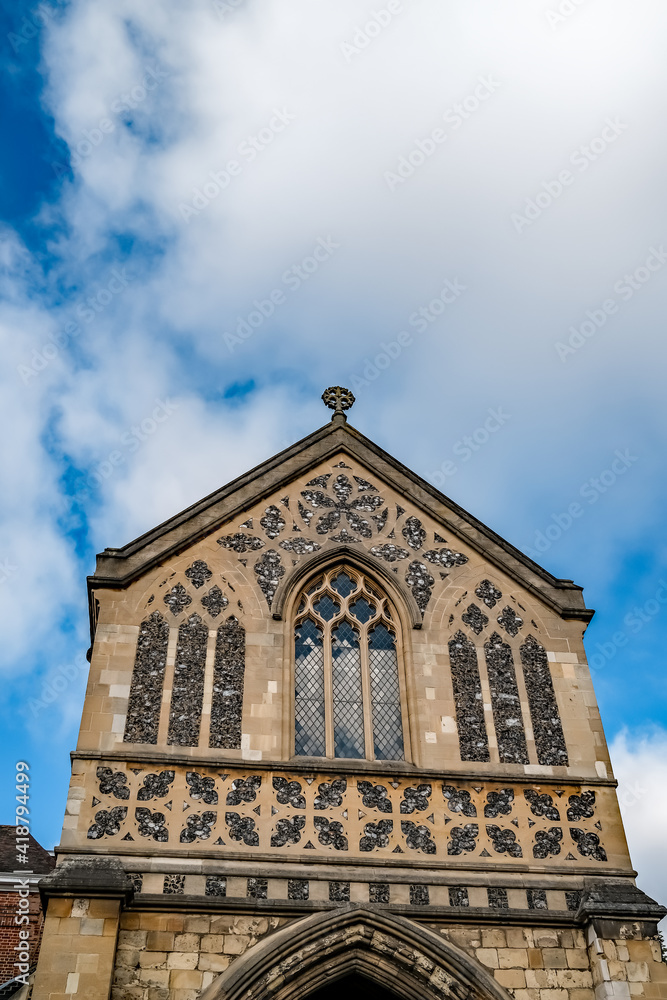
(366, 689)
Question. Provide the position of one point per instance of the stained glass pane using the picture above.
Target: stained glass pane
(362, 610)
(327, 608)
(343, 585)
(309, 681)
(348, 711)
(385, 695)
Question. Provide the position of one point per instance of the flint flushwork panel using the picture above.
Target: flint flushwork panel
(143, 711)
(547, 727)
(228, 683)
(505, 702)
(473, 740)
(188, 688)
(371, 819)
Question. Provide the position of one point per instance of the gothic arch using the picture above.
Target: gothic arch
(410, 961)
(401, 595)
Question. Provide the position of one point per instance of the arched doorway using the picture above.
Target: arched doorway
(354, 951)
(354, 987)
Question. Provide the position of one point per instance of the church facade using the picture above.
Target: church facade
(340, 735)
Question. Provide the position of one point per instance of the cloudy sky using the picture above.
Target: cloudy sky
(211, 211)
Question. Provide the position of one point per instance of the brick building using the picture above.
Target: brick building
(38, 863)
(339, 735)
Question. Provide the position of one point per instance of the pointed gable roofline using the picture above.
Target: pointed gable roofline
(117, 568)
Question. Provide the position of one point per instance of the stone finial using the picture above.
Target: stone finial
(338, 400)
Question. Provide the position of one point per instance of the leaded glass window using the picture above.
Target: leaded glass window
(347, 690)
(310, 728)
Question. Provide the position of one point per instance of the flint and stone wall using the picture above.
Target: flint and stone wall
(175, 956)
(492, 680)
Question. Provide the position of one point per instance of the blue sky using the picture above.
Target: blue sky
(488, 188)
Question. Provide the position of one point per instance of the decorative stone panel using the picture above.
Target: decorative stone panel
(240, 812)
(505, 702)
(188, 687)
(228, 686)
(473, 741)
(143, 712)
(424, 890)
(547, 727)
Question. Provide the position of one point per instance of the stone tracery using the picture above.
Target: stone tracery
(388, 819)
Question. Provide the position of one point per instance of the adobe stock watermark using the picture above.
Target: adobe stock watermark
(87, 311)
(7, 570)
(129, 100)
(31, 24)
(130, 441)
(630, 795)
(57, 682)
(292, 279)
(635, 620)
(225, 7)
(419, 320)
(590, 491)
(470, 444)
(565, 9)
(581, 158)
(366, 32)
(247, 151)
(625, 288)
(22, 821)
(454, 118)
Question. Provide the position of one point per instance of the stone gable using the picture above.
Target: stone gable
(226, 835)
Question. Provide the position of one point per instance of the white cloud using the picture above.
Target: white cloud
(639, 759)
(218, 81)
(33, 552)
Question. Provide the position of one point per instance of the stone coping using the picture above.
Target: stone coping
(306, 767)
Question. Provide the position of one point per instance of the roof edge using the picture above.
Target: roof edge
(219, 494)
(118, 567)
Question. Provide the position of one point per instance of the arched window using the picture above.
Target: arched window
(347, 694)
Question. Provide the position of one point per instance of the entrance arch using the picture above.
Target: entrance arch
(401, 959)
(353, 987)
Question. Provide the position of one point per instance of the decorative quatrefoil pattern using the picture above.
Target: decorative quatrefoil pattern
(196, 592)
(342, 507)
(396, 819)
